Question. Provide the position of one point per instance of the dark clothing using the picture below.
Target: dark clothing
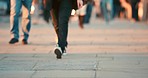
(51, 3)
(117, 2)
(88, 13)
(62, 14)
(135, 12)
(60, 11)
(117, 7)
(134, 5)
(133, 1)
(74, 4)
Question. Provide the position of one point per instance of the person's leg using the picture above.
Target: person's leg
(61, 14)
(64, 14)
(145, 9)
(54, 12)
(81, 18)
(97, 7)
(54, 20)
(14, 20)
(88, 13)
(128, 8)
(47, 6)
(112, 9)
(54, 15)
(81, 14)
(104, 9)
(135, 12)
(26, 18)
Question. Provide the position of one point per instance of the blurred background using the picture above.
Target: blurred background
(4, 7)
(115, 9)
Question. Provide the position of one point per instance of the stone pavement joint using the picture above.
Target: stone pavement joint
(115, 50)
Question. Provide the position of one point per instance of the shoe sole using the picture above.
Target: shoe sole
(58, 53)
(13, 43)
(64, 54)
(24, 43)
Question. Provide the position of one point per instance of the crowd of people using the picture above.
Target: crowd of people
(109, 9)
(132, 10)
(60, 11)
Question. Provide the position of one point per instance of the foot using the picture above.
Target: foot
(58, 52)
(13, 41)
(24, 41)
(64, 52)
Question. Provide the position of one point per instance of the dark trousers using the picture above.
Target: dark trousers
(60, 14)
(88, 13)
(117, 9)
(135, 11)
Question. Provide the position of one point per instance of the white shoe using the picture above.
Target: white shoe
(65, 53)
(58, 52)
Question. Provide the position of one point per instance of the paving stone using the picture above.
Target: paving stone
(16, 74)
(115, 50)
(69, 62)
(17, 65)
(64, 74)
(120, 74)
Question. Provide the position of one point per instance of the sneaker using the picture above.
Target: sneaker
(24, 41)
(58, 52)
(13, 41)
(64, 52)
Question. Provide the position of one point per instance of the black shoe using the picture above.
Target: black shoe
(13, 41)
(24, 41)
(58, 52)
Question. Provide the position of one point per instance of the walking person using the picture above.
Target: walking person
(89, 9)
(134, 4)
(35, 12)
(104, 8)
(117, 8)
(16, 6)
(81, 14)
(125, 5)
(60, 11)
(145, 10)
(97, 8)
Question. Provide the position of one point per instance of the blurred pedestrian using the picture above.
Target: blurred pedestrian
(127, 8)
(89, 8)
(35, 12)
(116, 7)
(105, 8)
(97, 8)
(81, 13)
(16, 6)
(60, 11)
(134, 4)
(145, 10)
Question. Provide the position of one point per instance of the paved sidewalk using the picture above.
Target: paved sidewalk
(115, 50)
